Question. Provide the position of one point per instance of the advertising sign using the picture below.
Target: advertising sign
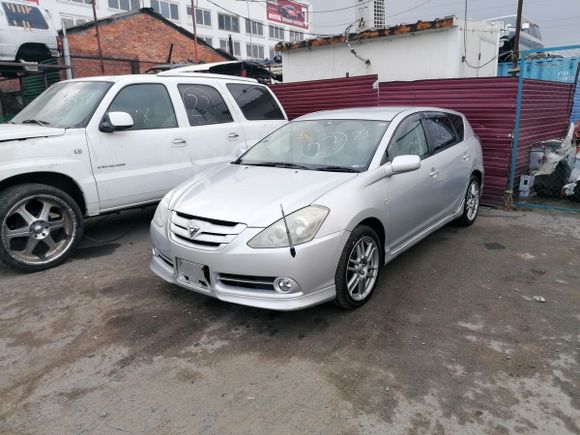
(288, 12)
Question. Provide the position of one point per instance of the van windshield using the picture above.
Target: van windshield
(64, 105)
(22, 15)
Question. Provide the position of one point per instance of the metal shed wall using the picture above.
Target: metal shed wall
(300, 98)
(575, 116)
(488, 103)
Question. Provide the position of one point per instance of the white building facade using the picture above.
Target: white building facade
(255, 27)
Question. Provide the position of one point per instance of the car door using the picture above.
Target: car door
(213, 134)
(261, 113)
(414, 198)
(446, 136)
(142, 163)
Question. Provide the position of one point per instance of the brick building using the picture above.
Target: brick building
(132, 43)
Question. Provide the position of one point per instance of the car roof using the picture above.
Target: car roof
(382, 113)
(148, 78)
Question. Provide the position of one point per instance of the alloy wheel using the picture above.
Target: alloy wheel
(472, 203)
(362, 269)
(38, 229)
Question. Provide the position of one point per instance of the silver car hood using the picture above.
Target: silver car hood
(19, 131)
(253, 194)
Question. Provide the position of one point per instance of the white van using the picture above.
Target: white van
(26, 33)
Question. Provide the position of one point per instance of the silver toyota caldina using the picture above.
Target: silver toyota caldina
(312, 212)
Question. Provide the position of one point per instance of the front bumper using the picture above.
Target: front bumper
(313, 268)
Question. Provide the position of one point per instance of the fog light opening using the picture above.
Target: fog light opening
(285, 285)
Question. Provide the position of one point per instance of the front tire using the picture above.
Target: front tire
(40, 227)
(471, 203)
(358, 268)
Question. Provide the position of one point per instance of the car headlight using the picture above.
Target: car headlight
(303, 225)
(162, 212)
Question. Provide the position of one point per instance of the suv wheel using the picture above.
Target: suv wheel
(40, 227)
(358, 268)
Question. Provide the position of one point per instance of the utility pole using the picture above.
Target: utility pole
(98, 35)
(193, 17)
(516, 53)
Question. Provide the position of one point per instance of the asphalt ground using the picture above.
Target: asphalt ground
(451, 342)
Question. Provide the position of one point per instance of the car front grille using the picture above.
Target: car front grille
(203, 233)
(247, 281)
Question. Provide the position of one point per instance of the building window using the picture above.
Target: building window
(228, 23)
(277, 33)
(167, 9)
(125, 5)
(224, 45)
(255, 51)
(202, 16)
(86, 2)
(207, 39)
(69, 21)
(254, 28)
(296, 36)
(272, 53)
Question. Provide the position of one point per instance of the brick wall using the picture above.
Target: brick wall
(141, 37)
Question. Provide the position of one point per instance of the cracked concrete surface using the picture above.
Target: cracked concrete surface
(452, 342)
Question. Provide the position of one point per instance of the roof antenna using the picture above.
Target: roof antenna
(291, 243)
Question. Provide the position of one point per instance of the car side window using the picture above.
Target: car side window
(459, 126)
(256, 102)
(204, 105)
(441, 131)
(148, 104)
(409, 139)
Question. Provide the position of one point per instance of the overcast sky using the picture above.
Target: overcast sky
(559, 20)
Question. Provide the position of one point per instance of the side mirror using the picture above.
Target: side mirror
(114, 121)
(525, 26)
(405, 163)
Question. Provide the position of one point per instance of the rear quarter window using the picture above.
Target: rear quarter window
(28, 17)
(459, 126)
(256, 102)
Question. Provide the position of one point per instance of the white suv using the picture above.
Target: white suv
(96, 145)
(26, 32)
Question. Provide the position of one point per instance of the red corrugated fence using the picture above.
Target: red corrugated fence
(488, 103)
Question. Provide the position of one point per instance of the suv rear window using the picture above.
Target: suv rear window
(19, 15)
(441, 131)
(204, 105)
(256, 102)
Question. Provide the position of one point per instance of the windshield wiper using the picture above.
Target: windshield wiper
(337, 169)
(277, 165)
(36, 121)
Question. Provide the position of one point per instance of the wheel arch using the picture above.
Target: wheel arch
(54, 179)
(376, 225)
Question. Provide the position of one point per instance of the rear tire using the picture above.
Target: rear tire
(471, 203)
(40, 227)
(358, 268)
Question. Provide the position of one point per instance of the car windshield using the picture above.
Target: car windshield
(341, 145)
(64, 105)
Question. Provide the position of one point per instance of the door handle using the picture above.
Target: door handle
(178, 142)
(233, 135)
(434, 172)
(466, 156)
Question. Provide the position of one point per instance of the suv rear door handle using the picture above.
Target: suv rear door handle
(178, 142)
(466, 156)
(233, 135)
(434, 172)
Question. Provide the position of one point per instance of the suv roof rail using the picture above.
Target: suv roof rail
(180, 72)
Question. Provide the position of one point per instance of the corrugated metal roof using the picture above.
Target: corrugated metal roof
(402, 29)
